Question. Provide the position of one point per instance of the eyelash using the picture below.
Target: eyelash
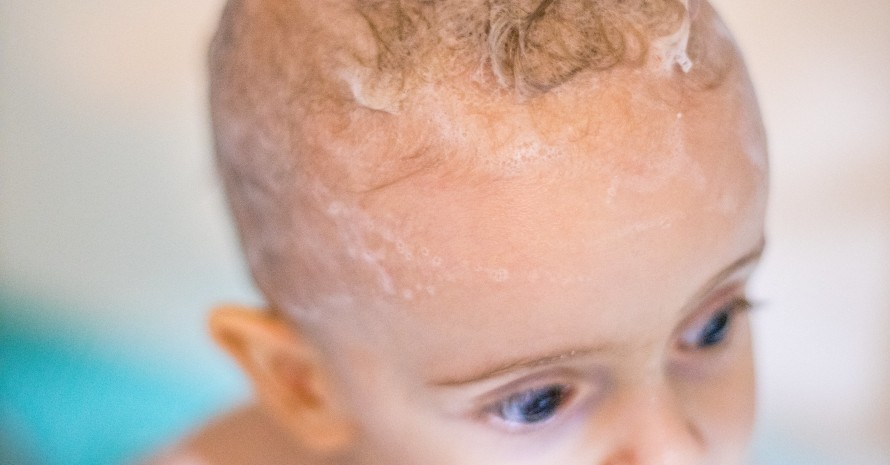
(715, 331)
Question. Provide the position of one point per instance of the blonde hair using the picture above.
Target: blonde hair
(530, 46)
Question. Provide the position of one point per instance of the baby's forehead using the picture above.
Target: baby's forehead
(639, 167)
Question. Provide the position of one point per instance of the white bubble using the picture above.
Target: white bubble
(387, 235)
(500, 275)
(403, 249)
(335, 208)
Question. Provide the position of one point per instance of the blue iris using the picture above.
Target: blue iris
(716, 330)
(532, 406)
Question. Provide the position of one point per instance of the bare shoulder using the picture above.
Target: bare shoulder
(176, 456)
(240, 437)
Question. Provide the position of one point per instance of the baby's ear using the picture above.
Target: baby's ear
(288, 375)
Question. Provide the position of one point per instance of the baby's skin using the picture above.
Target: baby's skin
(567, 286)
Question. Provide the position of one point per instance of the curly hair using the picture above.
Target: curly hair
(530, 46)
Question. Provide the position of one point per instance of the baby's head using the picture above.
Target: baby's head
(493, 232)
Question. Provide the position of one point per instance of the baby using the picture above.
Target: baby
(488, 232)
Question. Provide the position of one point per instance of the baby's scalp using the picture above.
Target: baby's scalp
(316, 104)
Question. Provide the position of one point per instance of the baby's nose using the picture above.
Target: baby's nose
(656, 430)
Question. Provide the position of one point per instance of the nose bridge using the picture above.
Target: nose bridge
(657, 429)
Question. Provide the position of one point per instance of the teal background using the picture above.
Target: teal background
(66, 400)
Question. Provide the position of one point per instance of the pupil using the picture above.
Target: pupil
(543, 405)
(716, 329)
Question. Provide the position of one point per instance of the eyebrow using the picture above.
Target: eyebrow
(528, 362)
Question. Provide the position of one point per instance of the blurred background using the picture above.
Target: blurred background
(114, 239)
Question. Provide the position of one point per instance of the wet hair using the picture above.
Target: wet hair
(291, 78)
(530, 46)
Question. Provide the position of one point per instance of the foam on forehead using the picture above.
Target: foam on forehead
(316, 102)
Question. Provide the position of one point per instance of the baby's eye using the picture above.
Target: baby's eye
(532, 406)
(715, 330)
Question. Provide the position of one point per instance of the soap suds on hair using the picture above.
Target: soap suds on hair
(527, 46)
(672, 50)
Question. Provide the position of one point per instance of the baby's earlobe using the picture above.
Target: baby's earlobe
(288, 375)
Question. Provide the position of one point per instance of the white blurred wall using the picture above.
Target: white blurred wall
(822, 70)
(110, 211)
